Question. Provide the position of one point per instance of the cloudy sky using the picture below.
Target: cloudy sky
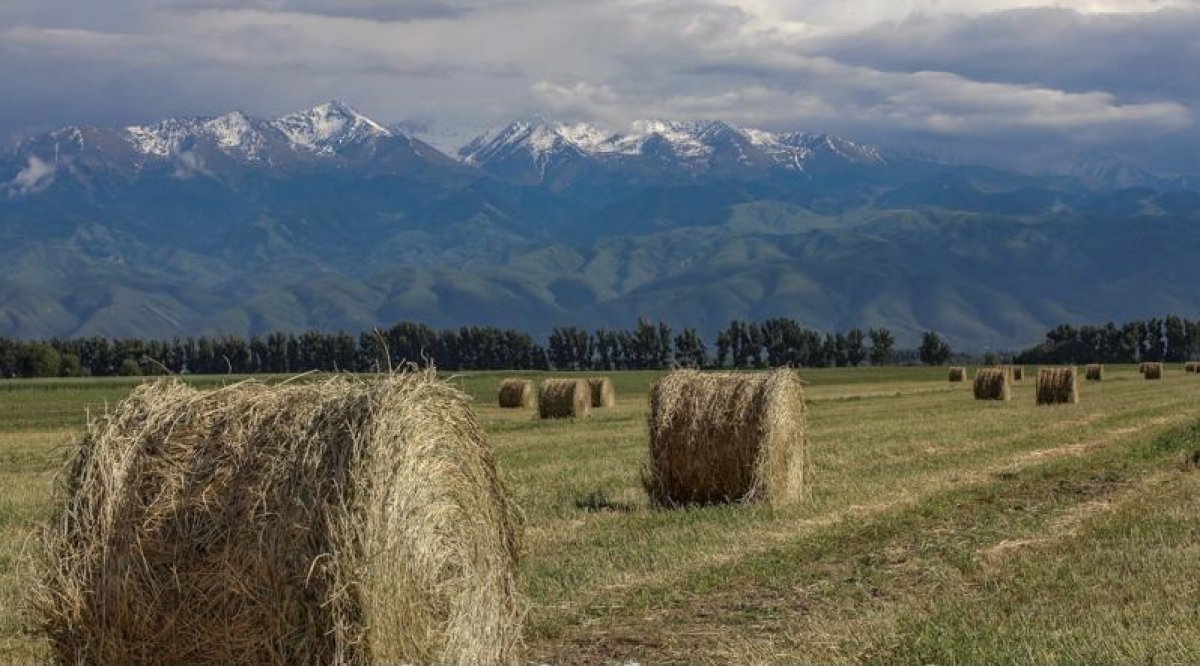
(1019, 82)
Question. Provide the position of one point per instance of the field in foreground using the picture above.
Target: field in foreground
(940, 529)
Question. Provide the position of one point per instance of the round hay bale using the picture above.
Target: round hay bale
(992, 384)
(603, 393)
(1191, 366)
(1094, 372)
(1057, 386)
(339, 522)
(516, 394)
(727, 437)
(958, 374)
(564, 399)
(1153, 371)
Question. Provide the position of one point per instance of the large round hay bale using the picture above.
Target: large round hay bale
(992, 384)
(1057, 386)
(1094, 372)
(722, 437)
(564, 399)
(1153, 371)
(958, 374)
(602, 391)
(516, 394)
(339, 522)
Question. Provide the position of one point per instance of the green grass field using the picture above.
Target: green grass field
(940, 529)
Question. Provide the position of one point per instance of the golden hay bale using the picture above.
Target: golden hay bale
(1153, 371)
(958, 374)
(603, 393)
(564, 399)
(339, 522)
(992, 384)
(1057, 386)
(517, 394)
(722, 437)
(1094, 372)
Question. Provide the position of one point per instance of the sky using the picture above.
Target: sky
(1013, 82)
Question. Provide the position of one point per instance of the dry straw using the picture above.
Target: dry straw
(1094, 372)
(603, 393)
(992, 384)
(339, 522)
(517, 394)
(564, 399)
(1153, 371)
(1057, 386)
(958, 374)
(723, 437)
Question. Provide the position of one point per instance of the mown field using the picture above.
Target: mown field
(940, 529)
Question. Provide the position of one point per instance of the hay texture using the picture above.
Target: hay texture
(992, 384)
(564, 399)
(1153, 371)
(338, 522)
(603, 393)
(727, 437)
(1057, 386)
(1094, 372)
(958, 374)
(517, 394)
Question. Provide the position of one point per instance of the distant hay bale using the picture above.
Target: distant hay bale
(1153, 371)
(602, 391)
(564, 399)
(338, 522)
(958, 374)
(727, 437)
(992, 384)
(1191, 366)
(1094, 372)
(1057, 386)
(517, 394)
(1018, 372)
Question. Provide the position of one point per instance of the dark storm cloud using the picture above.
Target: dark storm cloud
(1002, 80)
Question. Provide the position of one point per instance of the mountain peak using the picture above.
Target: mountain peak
(324, 128)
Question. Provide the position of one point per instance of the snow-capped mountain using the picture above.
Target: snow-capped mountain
(531, 149)
(327, 128)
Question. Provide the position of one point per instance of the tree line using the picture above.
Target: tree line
(646, 346)
(1169, 339)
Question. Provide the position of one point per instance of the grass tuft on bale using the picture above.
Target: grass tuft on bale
(337, 522)
(727, 437)
(602, 391)
(517, 394)
(958, 374)
(1057, 386)
(564, 399)
(1094, 372)
(1153, 371)
(992, 384)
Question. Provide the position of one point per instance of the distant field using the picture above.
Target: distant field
(940, 530)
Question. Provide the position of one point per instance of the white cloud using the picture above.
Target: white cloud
(35, 177)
